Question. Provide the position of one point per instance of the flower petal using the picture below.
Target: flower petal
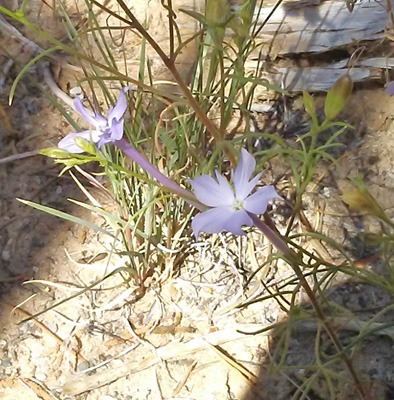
(258, 201)
(390, 88)
(211, 221)
(68, 142)
(120, 106)
(104, 139)
(211, 192)
(218, 219)
(238, 218)
(116, 128)
(88, 116)
(100, 122)
(225, 188)
(244, 192)
(242, 174)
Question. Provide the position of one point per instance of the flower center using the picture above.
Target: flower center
(238, 204)
(103, 127)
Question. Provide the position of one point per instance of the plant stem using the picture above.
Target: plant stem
(169, 63)
(169, 184)
(292, 258)
(76, 53)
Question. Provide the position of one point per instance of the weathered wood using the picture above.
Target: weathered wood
(322, 78)
(304, 26)
(310, 26)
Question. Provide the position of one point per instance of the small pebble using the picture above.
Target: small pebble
(41, 377)
(76, 91)
(53, 326)
(34, 330)
(6, 255)
(327, 191)
(5, 362)
(83, 365)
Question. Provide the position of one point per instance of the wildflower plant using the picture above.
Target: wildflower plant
(150, 166)
(230, 207)
(106, 130)
(111, 130)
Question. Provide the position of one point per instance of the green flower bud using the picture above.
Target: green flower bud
(337, 96)
(55, 152)
(309, 103)
(86, 146)
(217, 12)
(359, 199)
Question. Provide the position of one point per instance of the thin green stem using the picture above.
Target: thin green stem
(167, 183)
(169, 63)
(307, 170)
(292, 259)
(80, 55)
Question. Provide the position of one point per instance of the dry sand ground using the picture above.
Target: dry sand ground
(40, 361)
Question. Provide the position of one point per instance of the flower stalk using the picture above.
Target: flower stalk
(229, 208)
(292, 258)
(166, 182)
(169, 63)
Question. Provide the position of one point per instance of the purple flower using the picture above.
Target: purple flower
(230, 207)
(105, 130)
(390, 88)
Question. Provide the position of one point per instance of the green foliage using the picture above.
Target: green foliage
(176, 133)
(337, 96)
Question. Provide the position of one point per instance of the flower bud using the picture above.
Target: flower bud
(55, 152)
(359, 199)
(343, 86)
(217, 12)
(86, 146)
(337, 96)
(309, 103)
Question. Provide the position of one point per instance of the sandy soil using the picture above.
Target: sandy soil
(179, 341)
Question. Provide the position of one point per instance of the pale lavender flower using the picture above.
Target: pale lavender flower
(390, 88)
(230, 207)
(105, 130)
(110, 130)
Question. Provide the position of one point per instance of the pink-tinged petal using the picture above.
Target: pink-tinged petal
(87, 115)
(116, 128)
(390, 88)
(242, 174)
(219, 219)
(120, 106)
(212, 193)
(258, 201)
(68, 142)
